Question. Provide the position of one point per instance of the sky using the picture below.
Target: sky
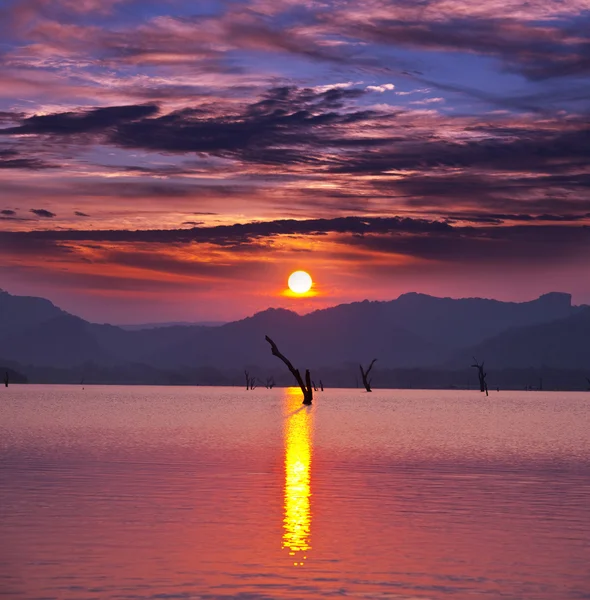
(175, 160)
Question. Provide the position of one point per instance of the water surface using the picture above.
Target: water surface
(159, 492)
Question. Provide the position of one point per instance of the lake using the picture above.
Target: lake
(217, 493)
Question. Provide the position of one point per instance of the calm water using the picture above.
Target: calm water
(154, 492)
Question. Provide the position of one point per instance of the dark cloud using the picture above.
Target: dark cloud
(288, 119)
(499, 218)
(514, 191)
(41, 212)
(498, 245)
(229, 235)
(294, 127)
(11, 159)
(80, 214)
(529, 149)
(438, 242)
(536, 49)
(9, 118)
(523, 46)
(84, 121)
(320, 135)
(8, 212)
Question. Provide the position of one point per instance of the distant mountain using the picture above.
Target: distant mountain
(447, 321)
(562, 344)
(304, 339)
(61, 341)
(18, 312)
(414, 330)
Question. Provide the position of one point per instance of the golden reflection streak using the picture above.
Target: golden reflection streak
(297, 519)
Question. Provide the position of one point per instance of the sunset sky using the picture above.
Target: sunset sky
(175, 160)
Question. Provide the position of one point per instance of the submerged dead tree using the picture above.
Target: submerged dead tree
(365, 375)
(250, 381)
(481, 374)
(270, 383)
(6, 379)
(305, 386)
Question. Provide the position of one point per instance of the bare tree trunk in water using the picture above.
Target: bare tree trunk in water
(305, 386)
(365, 375)
(483, 386)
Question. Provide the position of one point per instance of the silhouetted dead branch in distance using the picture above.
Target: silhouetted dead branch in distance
(250, 381)
(365, 375)
(304, 385)
(270, 383)
(483, 386)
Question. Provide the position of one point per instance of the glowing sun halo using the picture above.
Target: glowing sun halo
(300, 282)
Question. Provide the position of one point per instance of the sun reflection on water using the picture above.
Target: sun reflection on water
(297, 520)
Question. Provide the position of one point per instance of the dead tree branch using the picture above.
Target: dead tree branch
(365, 375)
(250, 381)
(481, 374)
(305, 386)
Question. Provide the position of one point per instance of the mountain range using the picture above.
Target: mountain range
(414, 331)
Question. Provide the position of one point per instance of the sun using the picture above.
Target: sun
(300, 282)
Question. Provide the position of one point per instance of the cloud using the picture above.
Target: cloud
(84, 121)
(233, 252)
(295, 127)
(522, 149)
(80, 214)
(41, 212)
(555, 44)
(8, 212)
(11, 159)
(237, 234)
(428, 101)
(386, 87)
(540, 244)
(304, 153)
(286, 117)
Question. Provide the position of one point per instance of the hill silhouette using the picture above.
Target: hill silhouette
(414, 331)
(561, 344)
